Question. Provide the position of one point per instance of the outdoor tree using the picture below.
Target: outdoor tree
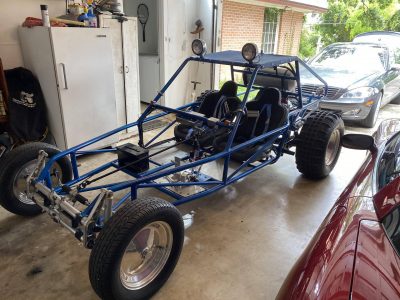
(308, 42)
(347, 18)
(394, 22)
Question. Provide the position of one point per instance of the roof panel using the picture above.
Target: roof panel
(235, 58)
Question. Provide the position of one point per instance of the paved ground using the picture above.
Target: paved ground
(242, 243)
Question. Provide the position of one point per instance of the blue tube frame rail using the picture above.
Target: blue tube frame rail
(148, 179)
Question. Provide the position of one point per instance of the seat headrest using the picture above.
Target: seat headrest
(269, 96)
(265, 81)
(229, 89)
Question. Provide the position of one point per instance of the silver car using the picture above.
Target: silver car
(362, 77)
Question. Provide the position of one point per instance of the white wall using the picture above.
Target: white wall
(151, 44)
(12, 15)
(204, 13)
(177, 42)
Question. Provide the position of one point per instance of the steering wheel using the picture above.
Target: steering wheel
(237, 111)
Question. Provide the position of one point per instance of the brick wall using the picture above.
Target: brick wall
(289, 32)
(243, 23)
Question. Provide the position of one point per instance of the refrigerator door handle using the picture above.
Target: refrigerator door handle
(65, 76)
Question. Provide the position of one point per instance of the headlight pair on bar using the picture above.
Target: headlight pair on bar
(249, 50)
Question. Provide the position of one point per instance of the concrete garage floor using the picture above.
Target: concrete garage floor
(243, 241)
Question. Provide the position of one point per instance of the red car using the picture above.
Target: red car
(355, 252)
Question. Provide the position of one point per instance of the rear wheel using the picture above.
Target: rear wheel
(137, 250)
(203, 95)
(318, 145)
(16, 166)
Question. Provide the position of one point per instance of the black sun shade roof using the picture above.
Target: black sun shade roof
(235, 58)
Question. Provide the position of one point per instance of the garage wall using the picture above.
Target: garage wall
(201, 72)
(176, 47)
(13, 13)
(151, 44)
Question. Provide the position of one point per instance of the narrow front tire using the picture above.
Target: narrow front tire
(15, 167)
(137, 250)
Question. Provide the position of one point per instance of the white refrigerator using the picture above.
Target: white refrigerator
(75, 70)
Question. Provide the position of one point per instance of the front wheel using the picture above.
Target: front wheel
(16, 166)
(319, 144)
(137, 250)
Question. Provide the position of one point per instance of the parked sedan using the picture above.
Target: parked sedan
(355, 252)
(361, 79)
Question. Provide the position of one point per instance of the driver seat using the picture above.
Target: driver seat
(264, 113)
(215, 104)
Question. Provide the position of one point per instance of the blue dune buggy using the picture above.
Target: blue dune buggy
(136, 242)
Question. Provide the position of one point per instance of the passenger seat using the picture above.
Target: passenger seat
(264, 113)
(215, 104)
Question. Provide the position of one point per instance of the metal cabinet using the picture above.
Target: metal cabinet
(75, 70)
(123, 31)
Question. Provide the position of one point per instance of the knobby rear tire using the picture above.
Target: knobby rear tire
(312, 144)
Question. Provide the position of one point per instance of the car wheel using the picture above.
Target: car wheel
(16, 165)
(372, 117)
(137, 250)
(5, 144)
(318, 145)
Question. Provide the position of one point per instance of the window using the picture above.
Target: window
(389, 165)
(388, 171)
(391, 223)
(269, 40)
(353, 57)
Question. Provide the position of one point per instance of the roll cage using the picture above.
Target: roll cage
(279, 140)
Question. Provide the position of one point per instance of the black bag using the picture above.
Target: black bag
(27, 110)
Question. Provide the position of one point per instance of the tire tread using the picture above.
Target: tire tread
(312, 143)
(10, 161)
(114, 233)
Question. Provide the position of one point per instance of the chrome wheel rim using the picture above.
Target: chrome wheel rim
(146, 255)
(19, 182)
(333, 147)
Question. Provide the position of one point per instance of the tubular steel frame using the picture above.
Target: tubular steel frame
(278, 137)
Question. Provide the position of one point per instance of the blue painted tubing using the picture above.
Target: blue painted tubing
(121, 201)
(155, 174)
(160, 133)
(96, 151)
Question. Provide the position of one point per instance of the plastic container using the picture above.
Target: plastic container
(84, 17)
(45, 15)
(92, 18)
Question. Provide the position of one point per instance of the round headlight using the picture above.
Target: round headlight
(249, 51)
(199, 47)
